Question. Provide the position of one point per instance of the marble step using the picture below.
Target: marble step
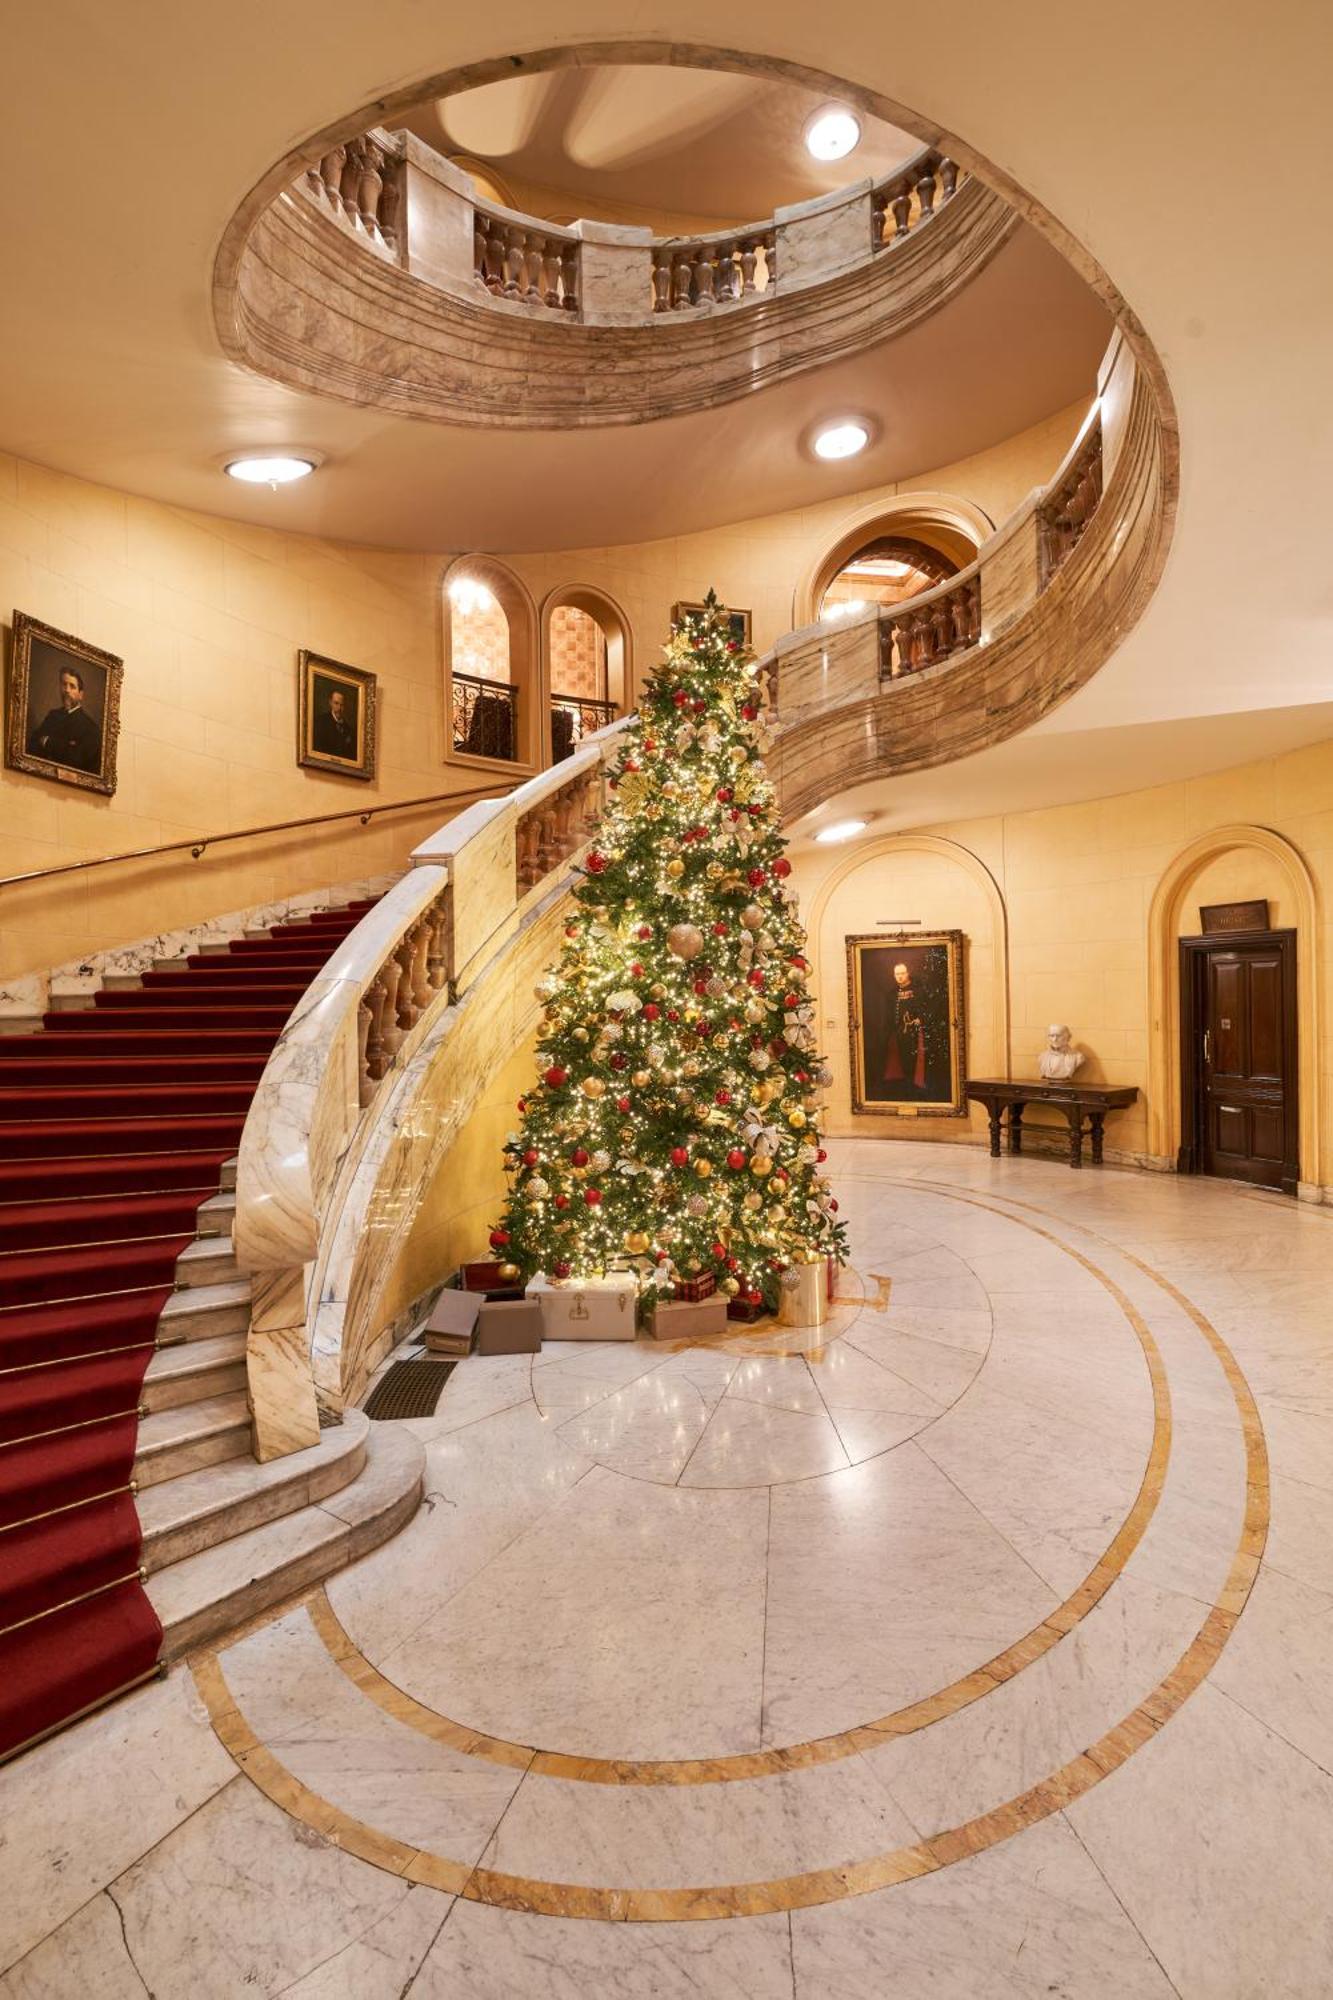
(227, 1178)
(184, 1516)
(190, 1371)
(203, 1596)
(204, 1311)
(207, 1261)
(216, 1215)
(195, 1435)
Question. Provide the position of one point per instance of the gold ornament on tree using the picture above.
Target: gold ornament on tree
(684, 941)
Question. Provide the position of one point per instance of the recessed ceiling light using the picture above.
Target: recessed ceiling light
(832, 134)
(275, 470)
(842, 440)
(842, 829)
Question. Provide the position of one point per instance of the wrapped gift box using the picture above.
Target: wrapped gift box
(587, 1308)
(510, 1326)
(690, 1290)
(742, 1310)
(452, 1323)
(689, 1319)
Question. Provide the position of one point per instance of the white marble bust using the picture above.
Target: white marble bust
(1059, 1059)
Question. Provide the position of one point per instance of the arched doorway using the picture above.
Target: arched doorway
(587, 668)
(490, 660)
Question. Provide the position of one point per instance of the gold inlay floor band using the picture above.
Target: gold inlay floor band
(745, 1765)
(805, 1890)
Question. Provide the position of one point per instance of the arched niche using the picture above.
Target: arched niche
(586, 671)
(492, 668)
(946, 885)
(953, 527)
(1231, 862)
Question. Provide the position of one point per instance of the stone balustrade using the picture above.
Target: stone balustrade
(933, 626)
(360, 185)
(398, 985)
(714, 270)
(532, 262)
(632, 275)
(458, 299)
(1070, 501)
(908, 198)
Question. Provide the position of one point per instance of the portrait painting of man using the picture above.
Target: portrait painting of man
(907, 1023)
(337, 717)
(62, 707)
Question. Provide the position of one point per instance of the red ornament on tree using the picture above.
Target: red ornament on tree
(531, 1157)
(754, 878)
(651, 1011)
(721, 1097)
(579, 1156)
(724, 795)
(499, 1237)
(735, 1159)
(555, 1076)
(595, 863)
(680, 1156)
(644, 932)
(821, 1155)
(680, 697)
(562, 1201)
(719, 928)
(593, 1197)
(756, 978)
(750, 712)
(782, 867)
(622, 1105)
(560, 1269)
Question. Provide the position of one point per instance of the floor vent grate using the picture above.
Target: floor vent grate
(410, 1388)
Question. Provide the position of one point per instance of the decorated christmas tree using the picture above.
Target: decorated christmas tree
(674, 1120)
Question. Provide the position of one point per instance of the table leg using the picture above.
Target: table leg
(993, 1113)
(1015, 1128)
(1074, 1113)
(1097, 1120)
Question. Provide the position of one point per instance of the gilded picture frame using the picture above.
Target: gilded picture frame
(62, 707)
(907, 1019)
(336, 717)
(740, 623)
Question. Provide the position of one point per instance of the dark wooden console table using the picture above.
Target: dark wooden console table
(1083, 1104)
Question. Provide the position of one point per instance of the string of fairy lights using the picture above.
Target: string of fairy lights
(673, 1126)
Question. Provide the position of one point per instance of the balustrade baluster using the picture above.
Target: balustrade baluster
(376, 1001)
(681, 270)
(902, 209)
(960, 620)
(417, 980)
(406, 997)
(569, 275)
(514, 242)
(391, 1034)
(941, 630)
(495, 257)
(365, 1083)
(437, 952)
(390, 202)
(948, 178)
(369, 186)
(925, 188)
(879, 213)
(702, 285)
(479, 249)
(551, 271)
(331, 174)
(661, 280)
(533, 246)
(770, 249)
(748, 254)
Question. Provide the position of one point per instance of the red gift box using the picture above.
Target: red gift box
(690, 1291)
(482, 1277)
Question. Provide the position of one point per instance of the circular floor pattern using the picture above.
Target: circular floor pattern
(1105, 1752)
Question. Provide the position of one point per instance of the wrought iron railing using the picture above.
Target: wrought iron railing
(574, 716)
(485, 717)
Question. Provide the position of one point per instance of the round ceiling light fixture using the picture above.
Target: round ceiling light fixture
(841, 440)
(842, 829)
(833, 133)
(269, 468)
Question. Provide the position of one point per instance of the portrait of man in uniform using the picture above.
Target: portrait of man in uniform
(907, 1031)
(62, 707)
(337, 717)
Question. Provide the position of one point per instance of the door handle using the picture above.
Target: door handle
(1207, 1048)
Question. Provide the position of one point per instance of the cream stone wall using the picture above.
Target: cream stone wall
(1069, 896)
(462, 1203)
(756, 565)
(208, 616)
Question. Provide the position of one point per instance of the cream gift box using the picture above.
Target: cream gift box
(689, 1319)
(587, 1308)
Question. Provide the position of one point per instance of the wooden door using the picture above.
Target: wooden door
(1243, 1049)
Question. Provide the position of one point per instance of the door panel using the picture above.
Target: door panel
(1243, 1088)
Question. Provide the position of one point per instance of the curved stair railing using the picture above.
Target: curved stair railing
(384, 1059)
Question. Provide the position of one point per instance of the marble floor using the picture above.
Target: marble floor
(979, 1643)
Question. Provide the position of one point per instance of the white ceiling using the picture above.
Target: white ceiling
(697, 142)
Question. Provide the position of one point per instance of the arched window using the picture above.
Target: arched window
(490, 658)
(889, 552)
(587, 665)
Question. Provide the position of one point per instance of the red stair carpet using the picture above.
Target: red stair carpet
(115, 1123)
